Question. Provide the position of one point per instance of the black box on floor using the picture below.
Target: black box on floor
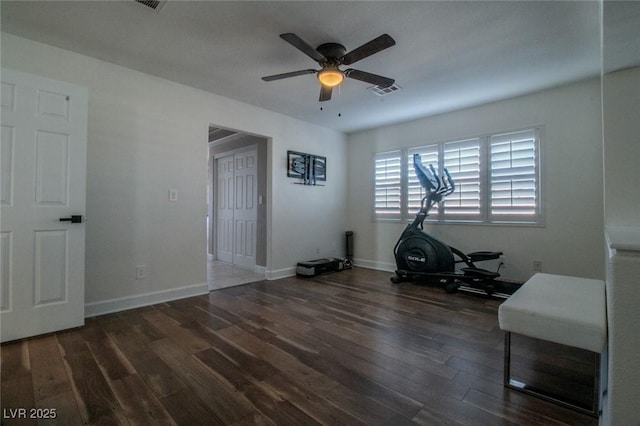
(312, 268)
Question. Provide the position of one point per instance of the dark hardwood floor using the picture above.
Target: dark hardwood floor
(348, 348)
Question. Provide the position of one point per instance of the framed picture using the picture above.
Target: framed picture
(307, 167)
(296, 164)
(320, 168)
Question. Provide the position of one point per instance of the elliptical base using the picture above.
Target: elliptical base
(449, 282)
(456, 282)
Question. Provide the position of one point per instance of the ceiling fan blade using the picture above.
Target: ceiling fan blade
(288, 74)
(374, 46)
(302, 46)
(325, 93)
(367, 77)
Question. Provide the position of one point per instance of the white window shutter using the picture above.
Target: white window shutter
(513, 164)
(388, 188)
(462, 159)
(497, 180)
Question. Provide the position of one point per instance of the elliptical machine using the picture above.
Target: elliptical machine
(422, 256)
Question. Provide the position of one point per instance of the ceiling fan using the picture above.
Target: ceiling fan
(330, 56)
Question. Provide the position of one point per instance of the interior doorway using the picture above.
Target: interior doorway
(236, 207)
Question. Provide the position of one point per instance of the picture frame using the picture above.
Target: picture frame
(319, 168)
(309, 168)
(296, 164)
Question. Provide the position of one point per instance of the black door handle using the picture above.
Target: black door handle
(76, 218)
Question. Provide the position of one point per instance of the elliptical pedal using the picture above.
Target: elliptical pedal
(480, 256)
(480, 273)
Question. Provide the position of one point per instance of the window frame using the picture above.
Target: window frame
(384, 217)
(457, 212)
(536, 217)
(485, 216)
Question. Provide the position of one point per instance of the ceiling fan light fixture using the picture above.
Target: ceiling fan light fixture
(330, 76)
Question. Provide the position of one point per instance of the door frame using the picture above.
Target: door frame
(265, 154)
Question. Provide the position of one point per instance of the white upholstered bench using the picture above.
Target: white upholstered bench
(565, 310)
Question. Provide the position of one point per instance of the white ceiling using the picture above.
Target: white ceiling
(448, 55)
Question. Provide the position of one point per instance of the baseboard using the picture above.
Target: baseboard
(136, 301)
(289, 272)
(362, 263)
(280, 273)
(372, 264)
(260, 270)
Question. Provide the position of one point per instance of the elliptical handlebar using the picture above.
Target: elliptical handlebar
(437, 188)
(428, 179)
(449, 183)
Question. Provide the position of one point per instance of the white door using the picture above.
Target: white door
(224, 211)
(236, 210)
(245, 211)
(42, 180)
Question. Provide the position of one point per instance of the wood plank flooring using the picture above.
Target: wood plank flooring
(348, 348)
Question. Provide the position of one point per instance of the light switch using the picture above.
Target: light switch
(173, 195)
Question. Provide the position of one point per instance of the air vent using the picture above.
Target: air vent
(152, 4)
(384, 91)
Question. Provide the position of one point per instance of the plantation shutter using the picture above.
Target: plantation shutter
(513, 175)
(388, 185)
(462, 159)
(415, 191)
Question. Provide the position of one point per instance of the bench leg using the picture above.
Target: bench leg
(507, 358)
(523, 387)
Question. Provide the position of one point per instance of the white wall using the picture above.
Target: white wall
(570, 243)
(621, 106)
(147, 135)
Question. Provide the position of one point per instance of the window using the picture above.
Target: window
(462, 159)
(388, 185)
(497, 180)
(514, 182)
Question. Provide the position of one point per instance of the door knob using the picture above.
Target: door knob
(76, 218)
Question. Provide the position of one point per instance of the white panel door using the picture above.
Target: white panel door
(224, 208)
(236, 209)
(245, 210)
(43, 179)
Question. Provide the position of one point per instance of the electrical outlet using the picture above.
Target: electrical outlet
(537, 265)
(141, 272)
